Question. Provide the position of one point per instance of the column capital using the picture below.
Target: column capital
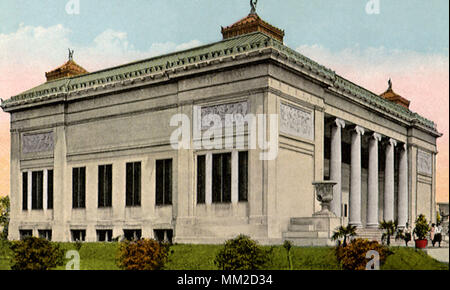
(376, 136)
(404, 146)
(390, 141)
(339, 123)
(357, 129)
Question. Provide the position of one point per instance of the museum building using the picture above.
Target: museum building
(92, 159)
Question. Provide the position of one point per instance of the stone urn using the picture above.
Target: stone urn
(324, 194)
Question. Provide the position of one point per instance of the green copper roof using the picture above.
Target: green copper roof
(232, 46)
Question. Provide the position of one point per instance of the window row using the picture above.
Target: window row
(34, 182)
(221, 183)
(222, 177)
(132, 187)
(103, 235)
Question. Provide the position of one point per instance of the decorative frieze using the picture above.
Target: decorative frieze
(42, 142)
(297, 122)
(424, 162)
(235, 111)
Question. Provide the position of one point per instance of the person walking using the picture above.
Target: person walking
(407, 235)
(437, 235)
(433, 229)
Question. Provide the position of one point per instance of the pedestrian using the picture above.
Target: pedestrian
(437, 235)
(407, 235)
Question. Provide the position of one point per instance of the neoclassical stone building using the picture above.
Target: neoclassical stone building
(91, 156)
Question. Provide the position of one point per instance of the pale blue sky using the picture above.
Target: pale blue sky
(418, 25)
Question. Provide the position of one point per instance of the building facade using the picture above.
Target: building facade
(92, 157)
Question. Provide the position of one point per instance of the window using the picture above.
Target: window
(133, 184)
(104, 235)
(221, 178)
(37, 189)
(164, 236)
(50, 189)
(45, 234)
(105, 186)
(243, 176)
(78, 187)
(132, 234)
(201, 178)
(164, 182)
(24, 190)
(78, 235)
(25, 233)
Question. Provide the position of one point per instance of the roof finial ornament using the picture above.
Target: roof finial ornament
(389, 84)
(70, 54)
(253, 4)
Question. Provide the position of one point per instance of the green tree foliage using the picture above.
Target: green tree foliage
(345, 233)
(144, 254)
(438, 218)
(389, 229)
(4, 216)
(36, 254)
(422, 228)
(353, 256)
(287, 245)
(242, 253)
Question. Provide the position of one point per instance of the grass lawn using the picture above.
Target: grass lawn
(101, 256)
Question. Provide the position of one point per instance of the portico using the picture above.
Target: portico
(394, 197)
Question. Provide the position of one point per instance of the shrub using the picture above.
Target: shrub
(422, 228)
(36, 254)
(353, 256)
(242, 253)
(144, 254)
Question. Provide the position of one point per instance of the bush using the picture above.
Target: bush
(422, 228)
(144, 254)
(242, 253)
(36, 254)
(353, 256)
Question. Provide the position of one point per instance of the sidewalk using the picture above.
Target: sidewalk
(440, 254)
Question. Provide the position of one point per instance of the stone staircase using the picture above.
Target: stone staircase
(375, 234)
(317, 231)
(309, 231)
(371, 234)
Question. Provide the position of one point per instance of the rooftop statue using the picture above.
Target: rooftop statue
(71, 54)
(253, 4)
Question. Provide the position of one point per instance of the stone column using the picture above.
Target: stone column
(388, 211)
(403, 187)
(355, 178)
(372, 202)
(336, 165)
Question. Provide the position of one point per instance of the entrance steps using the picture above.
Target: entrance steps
(375, 234)
(309, 231)
(317, 231)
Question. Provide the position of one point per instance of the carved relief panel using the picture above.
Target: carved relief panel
(40, 142)
(296, 121)
(424, 162)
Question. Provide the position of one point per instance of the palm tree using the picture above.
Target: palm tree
(344, 232)
(389, 227)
